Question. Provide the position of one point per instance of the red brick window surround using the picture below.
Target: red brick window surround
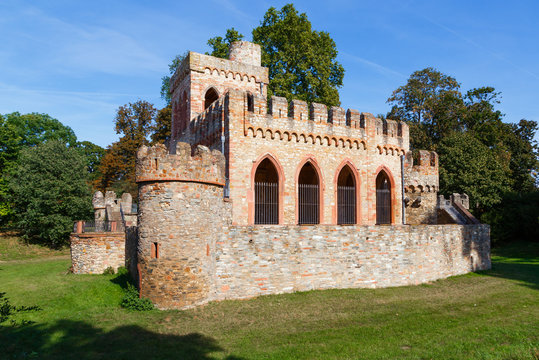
(155, 250)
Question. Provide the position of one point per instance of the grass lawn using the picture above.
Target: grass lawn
(487, 315)
(12, 248)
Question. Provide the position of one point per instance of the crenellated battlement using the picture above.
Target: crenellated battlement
(157, 164)
(317, 124)
(421, 177)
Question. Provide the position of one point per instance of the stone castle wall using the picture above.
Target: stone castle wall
(190, 253)
(181, 214)
(366, 144)
(261, 260)
(421, 188)
(92, 253)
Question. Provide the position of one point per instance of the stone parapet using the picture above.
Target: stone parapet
(243, 71)
(422, 177)
(333, 127)
(157, 164)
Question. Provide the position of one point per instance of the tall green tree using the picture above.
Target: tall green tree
(93, 154)
(49, 190)
(302, 62)
(19, 131)
(431, 103)
(165, 80)
(219, 45)
(134, 122)
(468, 166)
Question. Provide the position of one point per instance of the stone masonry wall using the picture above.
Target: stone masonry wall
(260, 260)
(92, 253)
(421, 188)
(181, 214)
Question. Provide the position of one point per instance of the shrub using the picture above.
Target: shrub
(132, 301)
(108, 271)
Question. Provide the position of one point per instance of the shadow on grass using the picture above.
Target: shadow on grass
(519, 261)
(68, 339)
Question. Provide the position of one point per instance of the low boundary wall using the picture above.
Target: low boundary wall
(92, 253)
(260, 260)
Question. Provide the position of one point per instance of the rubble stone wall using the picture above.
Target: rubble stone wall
(260, 260)
(92, 253)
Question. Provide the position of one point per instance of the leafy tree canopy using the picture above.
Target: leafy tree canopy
(221, 45)
(134, 122)
(468, 166)
(18, 131)
(49, 191)
(302, 61)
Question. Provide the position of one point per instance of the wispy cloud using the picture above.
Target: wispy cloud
(234, 9)
(480, 47)
(377, 67)
(79, 47)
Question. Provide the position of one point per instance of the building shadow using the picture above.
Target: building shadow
(519, 261)
(67, 339)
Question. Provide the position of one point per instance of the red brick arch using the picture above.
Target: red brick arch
(251, 193)
(355, 173)
(310, 159)
(393, 190)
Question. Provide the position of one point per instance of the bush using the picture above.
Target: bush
(108, 271)
(132, 301)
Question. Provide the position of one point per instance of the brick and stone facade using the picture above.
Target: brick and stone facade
(238, 162)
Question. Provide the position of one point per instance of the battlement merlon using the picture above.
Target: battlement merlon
(156, 164)
(298, 117)
(424, 175)
(205, 63)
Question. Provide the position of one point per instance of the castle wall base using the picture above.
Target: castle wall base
(261, 260)
(92, 253)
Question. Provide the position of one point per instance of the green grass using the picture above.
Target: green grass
(488, 315)
(13, 248)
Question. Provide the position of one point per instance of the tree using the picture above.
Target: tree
(161, 130)
(432, 105)
(134, 122)
(19, 131)
(220, 46)
(165, 80)
(468, 166)
(93, 154)
(49, 191)
(302, 62)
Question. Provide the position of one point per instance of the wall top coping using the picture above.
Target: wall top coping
(200, 62)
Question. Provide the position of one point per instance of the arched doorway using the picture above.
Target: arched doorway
(266, 193)
(346, 197)
(383, 199)
(210, 96)
(308, 195)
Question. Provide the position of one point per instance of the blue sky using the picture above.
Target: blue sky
(79, 61)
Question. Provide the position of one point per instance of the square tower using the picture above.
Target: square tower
(202, 79)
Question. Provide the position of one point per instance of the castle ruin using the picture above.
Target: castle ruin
(255, 197)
